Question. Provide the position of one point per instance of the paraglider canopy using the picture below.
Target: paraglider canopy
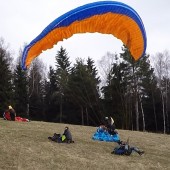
(106, 17)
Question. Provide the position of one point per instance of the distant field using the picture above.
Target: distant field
(24, 146)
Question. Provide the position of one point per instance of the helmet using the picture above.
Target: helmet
(10, 107)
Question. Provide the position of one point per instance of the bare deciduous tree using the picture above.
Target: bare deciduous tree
(162, 64)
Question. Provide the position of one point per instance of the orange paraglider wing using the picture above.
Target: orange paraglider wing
(106, 17)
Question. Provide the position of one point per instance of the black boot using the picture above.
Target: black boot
(140, 152)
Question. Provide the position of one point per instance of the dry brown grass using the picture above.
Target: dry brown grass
(24, 146)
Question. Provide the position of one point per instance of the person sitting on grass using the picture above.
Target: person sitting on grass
(125, 149)
(12, 113)
(109, 126)
(66, 137)
(6, 115)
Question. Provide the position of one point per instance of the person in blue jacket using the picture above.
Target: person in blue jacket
(125, 149)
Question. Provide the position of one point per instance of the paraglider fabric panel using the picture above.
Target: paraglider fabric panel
(106, 17)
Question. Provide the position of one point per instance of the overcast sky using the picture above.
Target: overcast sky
(22, 20)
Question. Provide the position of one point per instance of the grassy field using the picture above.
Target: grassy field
(24, 146)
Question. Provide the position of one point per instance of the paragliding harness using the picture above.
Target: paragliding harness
(6, 115)
(123, 148)
(56, 137)
(60, 138)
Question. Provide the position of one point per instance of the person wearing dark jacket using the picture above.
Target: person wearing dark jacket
(110, 126)
(12, 113)
(66, 137)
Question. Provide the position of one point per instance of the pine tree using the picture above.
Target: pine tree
(129, 86)
(94, 90)
(51, 95)
(36, 89)
(83, 87)
(6, 88)
(62, 75)
(139, 74)
(77, 87)
(20, 90)
(115, 93)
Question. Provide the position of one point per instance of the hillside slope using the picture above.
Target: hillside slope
(24, 146)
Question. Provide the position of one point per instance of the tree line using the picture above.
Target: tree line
(135, 93)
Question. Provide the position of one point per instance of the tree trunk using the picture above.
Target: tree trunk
(137, 114)
(130, 113)
(143, 116)
(131, 119)
(87, 116)
(28, 111)
(154, 110)
(136, 98)
(61, 108)
(166, 111)
(82, 116)
(163, 112)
